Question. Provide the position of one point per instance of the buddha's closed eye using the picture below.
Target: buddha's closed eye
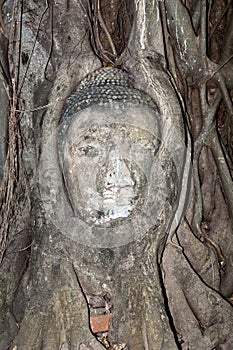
(89, 151)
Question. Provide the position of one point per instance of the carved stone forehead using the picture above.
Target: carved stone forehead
(98, 116)
(106, 96)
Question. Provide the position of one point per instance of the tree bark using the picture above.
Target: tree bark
(168, 287)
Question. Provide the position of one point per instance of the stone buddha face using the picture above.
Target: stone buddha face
(108, 154)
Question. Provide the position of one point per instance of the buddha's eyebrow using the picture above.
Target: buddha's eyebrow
(88, 138)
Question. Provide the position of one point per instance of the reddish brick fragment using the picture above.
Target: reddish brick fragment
(100, 323)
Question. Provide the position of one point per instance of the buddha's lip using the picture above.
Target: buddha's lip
(117, 187)
(113, 190)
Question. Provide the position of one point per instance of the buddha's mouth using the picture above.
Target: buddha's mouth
(115, 191)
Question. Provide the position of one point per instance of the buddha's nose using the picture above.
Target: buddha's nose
(116, 171)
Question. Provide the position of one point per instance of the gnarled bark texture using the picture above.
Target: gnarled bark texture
(168, 285)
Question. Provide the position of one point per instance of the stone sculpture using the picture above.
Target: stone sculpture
(108, 138)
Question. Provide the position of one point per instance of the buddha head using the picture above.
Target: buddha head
(107, 141)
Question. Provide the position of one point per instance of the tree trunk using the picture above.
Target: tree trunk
(61, 264)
